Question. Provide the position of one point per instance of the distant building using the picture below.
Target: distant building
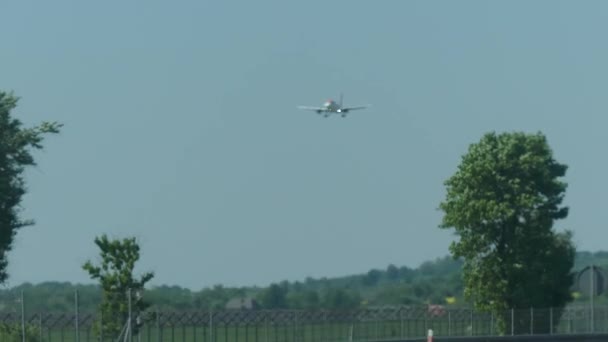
(242, 304)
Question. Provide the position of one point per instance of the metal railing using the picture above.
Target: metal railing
(370, 324)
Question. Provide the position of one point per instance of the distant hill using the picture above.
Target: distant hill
(432, 282)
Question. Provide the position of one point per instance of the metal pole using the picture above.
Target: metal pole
(77, 319)
(569, 321)
(449, 323)
(472, 328)
(157, 326)
(551, 321)
(426, 324)
(210, 326)
(130, 327)
(401, 327)
(267, 327)
(101, 324)
(512, 322)
(22, 317)
(531, 321)
(40, 325)
(295, 318)
(592, 294)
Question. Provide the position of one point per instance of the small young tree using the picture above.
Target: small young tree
(115, 275)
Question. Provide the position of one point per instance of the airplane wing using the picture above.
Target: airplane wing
(348, 109)
(315, 109)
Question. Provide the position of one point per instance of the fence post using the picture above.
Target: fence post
(377, 325)
(295, 325)
(77, 318)
(512, 322)
(22, 317)
(101, 325)
(267, 326)
(401, 327)
(531, 321)
(130, 327)
(210, 325)
(604, 325)
(449, 323)
(569, 321)
(158, 331)
(40, 325)
(472, 328)
(591, 295)
(491, 323)
(551, 321)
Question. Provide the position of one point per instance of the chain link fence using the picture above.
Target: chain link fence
(370, 324)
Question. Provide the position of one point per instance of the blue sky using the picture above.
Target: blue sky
(181, 127)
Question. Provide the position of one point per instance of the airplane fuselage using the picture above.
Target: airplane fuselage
(332, 106)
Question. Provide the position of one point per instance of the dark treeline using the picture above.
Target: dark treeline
(433, 282)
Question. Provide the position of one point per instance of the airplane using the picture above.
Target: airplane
(332, 107)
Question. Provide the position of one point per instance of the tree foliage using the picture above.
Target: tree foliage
(115, 275)
(12, 332)
(274, 297)
(341, 299)
(16, 144)
(502, 203)
(372, 277)
(442, 279)
(392, 272)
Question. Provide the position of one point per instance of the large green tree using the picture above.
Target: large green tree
(16, 145)
(502, 202)
(115, 275)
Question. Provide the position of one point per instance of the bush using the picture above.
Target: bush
(12, 333)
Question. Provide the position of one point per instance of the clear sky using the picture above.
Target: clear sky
(181, 127)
